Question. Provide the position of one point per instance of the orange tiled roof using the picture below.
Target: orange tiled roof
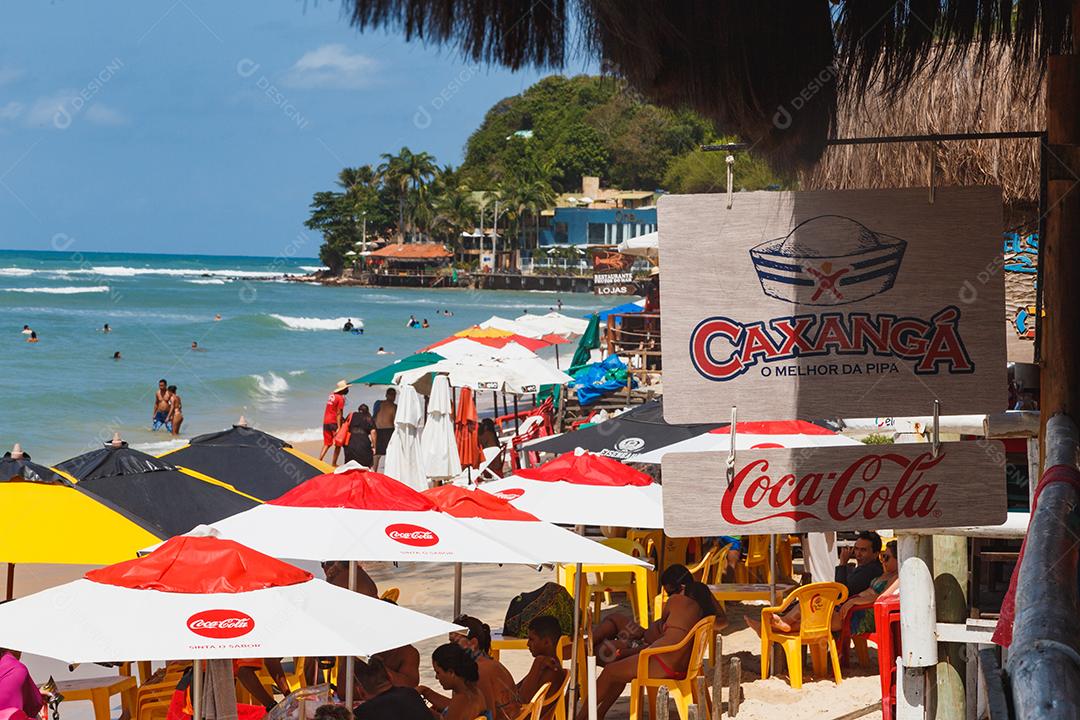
(413, 251)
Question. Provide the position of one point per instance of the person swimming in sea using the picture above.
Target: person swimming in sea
(425, 324)
(33, 337)
(348, 327)
(26, 330)
(116, 355)
(195, 347)
(106, 328)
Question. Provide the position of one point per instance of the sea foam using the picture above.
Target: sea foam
(313, 323)
(68, 290)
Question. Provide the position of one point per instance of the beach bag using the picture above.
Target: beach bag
(342, 434)
(548, 599)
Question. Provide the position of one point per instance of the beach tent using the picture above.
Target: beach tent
(403, 461)
(438, 448)
(580, 488)
(646, 246)
(49, 519)
(206, 598)
(385, 375)
(748, 435)
(554, 323)
(624, 437)
(171, 499)
(253, 462)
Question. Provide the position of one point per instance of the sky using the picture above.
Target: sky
(201, 126)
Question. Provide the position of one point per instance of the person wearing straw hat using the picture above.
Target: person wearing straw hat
(333, 416)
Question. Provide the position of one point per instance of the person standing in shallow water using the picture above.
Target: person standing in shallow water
(176, 410)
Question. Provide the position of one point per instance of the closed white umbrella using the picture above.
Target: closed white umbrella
(403, 453)
(200, 598)
(438, 446)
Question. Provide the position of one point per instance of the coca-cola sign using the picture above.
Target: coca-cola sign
(221, 624)
(414, 535)
(833, 488)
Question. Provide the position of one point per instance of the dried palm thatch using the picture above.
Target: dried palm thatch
(978, 95)
(755, 67)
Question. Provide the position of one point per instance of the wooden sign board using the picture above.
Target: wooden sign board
(832, 304)
(793, 490)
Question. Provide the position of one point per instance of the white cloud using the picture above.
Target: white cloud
(48, 108)
(331, 66)
(101, 114)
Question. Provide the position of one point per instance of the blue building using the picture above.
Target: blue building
(596, 225)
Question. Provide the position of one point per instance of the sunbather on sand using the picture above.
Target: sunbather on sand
(688, 602)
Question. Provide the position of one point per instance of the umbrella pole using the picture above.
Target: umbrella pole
(773, 647)
(10, 581)
(574, 659)
(557, 357)
(350, 660)
(457, 590)
(516, 422)
(196, 690)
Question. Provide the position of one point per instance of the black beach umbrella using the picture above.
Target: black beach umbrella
(173, 499)
(16, 465)
(633, 433)
(253, 462)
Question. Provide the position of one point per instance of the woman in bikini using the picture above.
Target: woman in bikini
(456, 672)
(688, 602)
(496, 682)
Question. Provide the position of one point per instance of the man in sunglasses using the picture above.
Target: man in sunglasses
(867, 552)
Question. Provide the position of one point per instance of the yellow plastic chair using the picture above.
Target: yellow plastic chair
(700, 570)
(609, 582)
(682, 689)
(676, 552)
(391, 594)
(816, 603)
(652, 541)
(553, 706)
(532, 709)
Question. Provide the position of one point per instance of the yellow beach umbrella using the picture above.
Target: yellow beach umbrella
(47, 519)
(478, 332)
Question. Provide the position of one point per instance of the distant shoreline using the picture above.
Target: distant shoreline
(465, 281)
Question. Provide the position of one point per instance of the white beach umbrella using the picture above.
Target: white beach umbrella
(206, 598)
(468, 348)
(646, 246)
(786, 433)
(438, 446)
(584, 489)
(403, 453)
(363, 515)
(501, 323)
(519, 376)
(554, 323)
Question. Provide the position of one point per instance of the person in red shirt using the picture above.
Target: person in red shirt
(333, 417)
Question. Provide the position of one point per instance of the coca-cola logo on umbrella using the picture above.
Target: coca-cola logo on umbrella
(510, 494)
(221, 624)
(408, 534)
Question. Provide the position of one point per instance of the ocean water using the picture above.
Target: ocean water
(273, 356)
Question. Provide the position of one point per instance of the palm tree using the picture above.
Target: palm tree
(402, 171)
(391, 173)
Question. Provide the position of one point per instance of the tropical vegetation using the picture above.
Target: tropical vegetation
(528, 149)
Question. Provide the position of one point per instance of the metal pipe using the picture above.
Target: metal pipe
(350, 659)
(1044, 658)
(196, 690)
(457, 590)
(574, 659)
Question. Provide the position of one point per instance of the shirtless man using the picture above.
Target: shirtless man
(160, 416)
(402, 663)
(176, 416)
(544, 634)
(384, 425)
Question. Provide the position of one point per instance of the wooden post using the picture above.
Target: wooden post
(950, 595)
(702, 698)
(662, 696)
(718, 678)
(11, 581)
(734, 687)
(1059, 250)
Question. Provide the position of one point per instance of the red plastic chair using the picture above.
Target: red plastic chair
(887, 631)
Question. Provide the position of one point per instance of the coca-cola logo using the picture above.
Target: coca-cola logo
(221, 624)
(874, 487)
(510, 494)
(414, 535)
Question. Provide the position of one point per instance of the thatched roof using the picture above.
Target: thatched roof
(744, 64)
(973, 97)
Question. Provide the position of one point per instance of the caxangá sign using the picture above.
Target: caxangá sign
(832, 304)
(793, 490)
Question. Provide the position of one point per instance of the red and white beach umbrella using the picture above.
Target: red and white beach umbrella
(362, 515)
(206, 598)
(579, 488)
(749, 435)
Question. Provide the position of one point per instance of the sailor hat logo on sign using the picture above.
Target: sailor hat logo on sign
(408, 534)
(630, 445)
(221, 624)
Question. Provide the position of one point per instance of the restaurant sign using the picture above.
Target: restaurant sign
(832, 304)
(612, 273)
(794, 490)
